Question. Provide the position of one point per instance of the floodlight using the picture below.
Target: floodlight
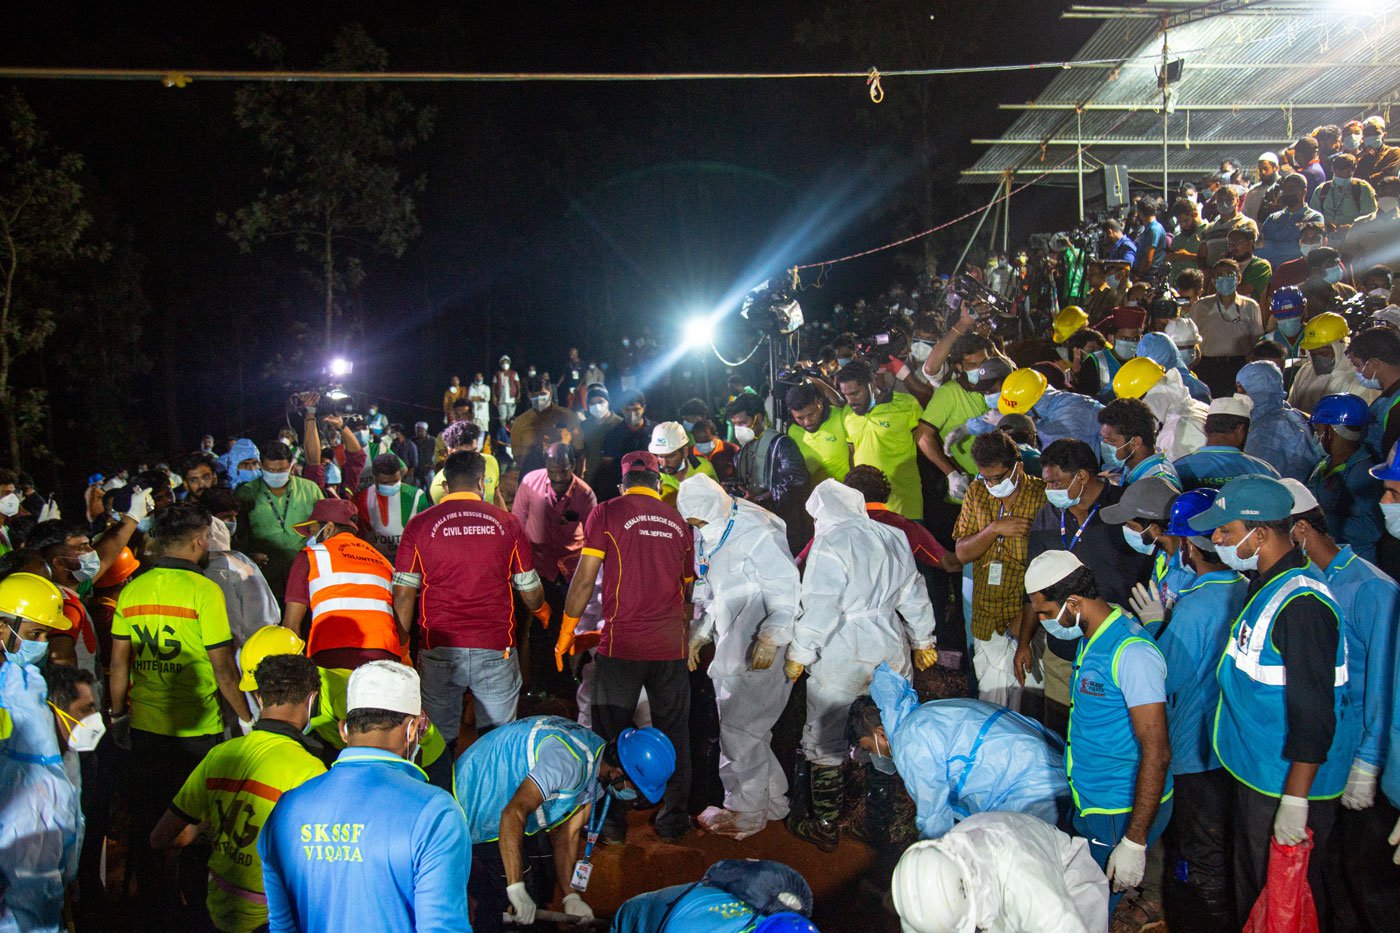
(340, 366)
(699, 331)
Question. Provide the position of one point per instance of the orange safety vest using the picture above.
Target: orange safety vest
(352, 597)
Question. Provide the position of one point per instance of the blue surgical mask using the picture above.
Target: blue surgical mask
(1332, 275)
(1290, 326)
(1125, 349)
(89, 563)
(882, 763)
(1137, 540)
(1230, 556)
(333, 474)
(1058, 630)
(144, 525)
(1111, 281)
(1189, 355)
(991, 398)
(705, 448)
(1225, 284)
(688, 425)
(1109, 454)
(276, 480)
(232, 527)
(1061, 499)
(1369, 382)
(1373, 142)
(26, 651)
(245, 476)
(1390, 511)
(972, 375)
(842, 360)
(623, 794)
(387, 490)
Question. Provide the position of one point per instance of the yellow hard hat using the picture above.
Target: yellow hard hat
(1021, 390)
(264, 643)
(33, 598)
(1328, 327)
(1068, 321)
(1136, 376)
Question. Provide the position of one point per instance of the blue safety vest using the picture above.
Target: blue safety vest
(1100, 729)
(1369, 602)
(1381, 410)
(1251, 720)
(1214, 466)
(494, 767)
(1155, 465)
(1108, 364)
(1170, 576)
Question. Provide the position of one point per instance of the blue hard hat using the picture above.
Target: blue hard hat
(649, 759)
(1185, 507)
(786, 922)
(1391, 468)
(1344, 409)
(1288, 298)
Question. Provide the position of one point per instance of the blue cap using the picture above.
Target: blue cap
(1391, 468)
(1345, 409)
(1252, 498)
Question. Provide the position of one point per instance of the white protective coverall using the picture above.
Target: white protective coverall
(1310, 386)
(859, 581)
(41, 817)
(251, 604)
(1025, 876)
(1182, 418)
(749, 588)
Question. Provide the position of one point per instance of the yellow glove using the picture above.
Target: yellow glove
(763, 655)
(793, 670)
(697, 645)
(565, 642)
(925, 658)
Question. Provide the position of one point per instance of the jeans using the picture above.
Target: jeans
(492, 676)
(1105, 830)
(616, 687)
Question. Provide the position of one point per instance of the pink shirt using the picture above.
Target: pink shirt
(553, 523)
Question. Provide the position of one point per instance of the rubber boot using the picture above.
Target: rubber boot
(820, 827)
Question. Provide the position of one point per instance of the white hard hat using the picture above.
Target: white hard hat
(1183, 332)
(1303, 499)
(1238, 405)
(386, 685)
(1049, 568)
(667, 438)
(931, 891)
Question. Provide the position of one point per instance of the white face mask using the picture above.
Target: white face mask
(85, 733)
(1230, 557)
(598, 410)
(743, 433)
(920, 349)
(539, 402)
(1006, 487)
(276, 480)
(88, 564)
(9, 505)
(1306, 248)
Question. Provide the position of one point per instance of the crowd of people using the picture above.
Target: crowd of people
(1160, 541)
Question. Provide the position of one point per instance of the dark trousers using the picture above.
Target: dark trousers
(1197, 892)
(1363, 884)
(486, 885)
(1254, 826)
(536, 645)
(1218, 373)
(617, 685)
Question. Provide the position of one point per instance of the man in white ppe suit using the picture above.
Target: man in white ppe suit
(859, 581)
(748, 586)
(1009, 872)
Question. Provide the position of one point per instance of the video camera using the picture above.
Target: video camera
(771, 308)
(986, 305)
(1359, 308)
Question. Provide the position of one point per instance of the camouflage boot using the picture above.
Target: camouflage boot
(819, 828)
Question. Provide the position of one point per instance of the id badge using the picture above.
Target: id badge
(582, 871)
(994, 573)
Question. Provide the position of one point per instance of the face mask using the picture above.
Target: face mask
(26, 651)
(1225, 285)
(634, 418)
(1109, 454)
(1061, 499)
(622, 794)
(1369, 382)
(1372, 142)
(1062, 353)
(1351, 142)
(88, 565)
(373, 410)
(1389, 205)
(1290, 326)
(1332, 275)
(688, 425)
(743, 434)
(539, 402)
(882, 763)
(477, 381)
(1230, 556)
(144, 525)
(387, 490)
(920, 349)
(1056, 630)
(232, 527)
(505, 367)
(333, 474)
(1306, 248)
(9, 505)
(413, 743)
(972, 375)
(1137, 540)
(1226, 213)
(1004, 488)
(276, 480)
(705, 448)
(1125, 349)
(598, 410)
(1189, 355)
(1390, 511)
(992, 398)
(842, 361)
(85, 733)
(1111, 281)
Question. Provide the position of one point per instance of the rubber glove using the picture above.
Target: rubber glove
(697, 645)
(793, 670)
(954, 436)
(522, 903)
(1126, 864)
(1291, 820)
(586, 641)
(565, 641)
(1146, 604)
(958, 484)
(1395, 841)
(543, 614)
(575, 906)
(1360, 791)
(50, 511)
(925, 658)
(142, 505)
(764, 655)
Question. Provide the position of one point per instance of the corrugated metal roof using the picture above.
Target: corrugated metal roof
(1285, 62)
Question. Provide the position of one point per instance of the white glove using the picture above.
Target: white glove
(142, 505)
(957, 434)
(1146, 604)
(1360, 791)
(522, 903)
(575, 906)
(958, 484)
(49, 511)
(1126, 864)
(1395, 841)
(1291, 821)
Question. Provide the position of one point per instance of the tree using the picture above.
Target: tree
(333, 188)
(42, 221)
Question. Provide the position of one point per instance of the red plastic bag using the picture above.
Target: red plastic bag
(1286, 903)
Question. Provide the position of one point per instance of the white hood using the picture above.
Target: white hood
(1168, 391)
(700, 497)
(218, 536)
(832, 503)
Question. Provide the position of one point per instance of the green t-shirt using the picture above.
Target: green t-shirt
(884, 438)
(949, 408)
(671, 483)
(267, 524)
(491, 482)
(172, 617)
(826, 450)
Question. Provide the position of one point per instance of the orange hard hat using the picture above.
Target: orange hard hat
(121, 570)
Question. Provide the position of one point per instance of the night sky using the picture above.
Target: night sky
(550, 209)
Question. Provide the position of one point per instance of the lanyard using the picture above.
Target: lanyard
(706, 557)
(595, 826)
(1070, 545)
(272, 504)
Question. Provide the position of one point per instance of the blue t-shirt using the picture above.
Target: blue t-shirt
(1153, 236)
(1125, 250)
(1142, 675)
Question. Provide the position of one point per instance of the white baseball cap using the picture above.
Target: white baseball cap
(1050, 568)
(667, 438)
(386, 685)
(1238, 405)
(1303, 499)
